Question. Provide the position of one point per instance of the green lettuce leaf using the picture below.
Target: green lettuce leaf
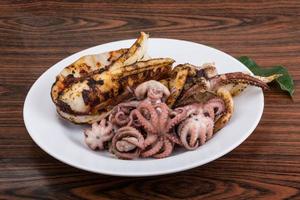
(285, 81)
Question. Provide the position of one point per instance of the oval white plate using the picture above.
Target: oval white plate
(64, 141)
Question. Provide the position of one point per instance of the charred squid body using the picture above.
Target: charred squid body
(81, 68)
(86, 68)
(100, 92)
(198, 127)
(98, 63)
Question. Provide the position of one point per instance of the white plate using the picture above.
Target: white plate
(64, 141)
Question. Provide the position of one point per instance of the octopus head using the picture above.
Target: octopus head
(153, 90)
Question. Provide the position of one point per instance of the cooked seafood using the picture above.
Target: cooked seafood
(91, 86)
(192, 84)
(99, 134)
(98, 63)
(198, 127)
(147, 127)
(127, 143)
(190, 80)
(82, 67)
(141, 107)
(100, 92)
(94, 66)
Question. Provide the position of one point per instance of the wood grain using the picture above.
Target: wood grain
(34, 35)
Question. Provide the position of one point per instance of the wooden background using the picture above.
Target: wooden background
(35, 35)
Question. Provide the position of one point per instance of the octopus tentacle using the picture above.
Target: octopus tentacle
(210, 130)
(214, 107)
(184, 131)
(173, 138)
(163, 112)
(127, 143)
(147, 108)
(202, 135)
(146, 124)
(193, 133)
(134, 141)
(181, 115)
(150, 139)
(121, 118)
(167, 149)
(154, 149)
(120, 113)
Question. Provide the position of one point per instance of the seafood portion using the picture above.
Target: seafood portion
(98, 134)
(198, 84)
(127, 143)
(199, 80)
(91, 86)
(144, 127)
(141, 107)
(98, 93)
(98, 63)
(81, 68)
(198, 127)
(200, 104)
(147, 127)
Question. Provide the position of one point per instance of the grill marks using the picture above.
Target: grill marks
(105, 93)
(90, 98)
(64, 107)
(113, 55)
(239, 77)
(79, 71)
(91, 85)
(70, 79)
(92, 82)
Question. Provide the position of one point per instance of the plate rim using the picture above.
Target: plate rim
(111, 173)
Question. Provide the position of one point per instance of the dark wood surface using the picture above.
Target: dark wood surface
(34, 35)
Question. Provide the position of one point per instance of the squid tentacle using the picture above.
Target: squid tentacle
(237, 77)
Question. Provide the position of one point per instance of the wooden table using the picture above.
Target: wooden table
(36, 34)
